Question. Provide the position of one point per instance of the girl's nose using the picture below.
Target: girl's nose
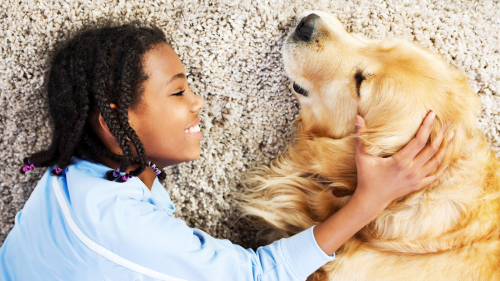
(198, 103)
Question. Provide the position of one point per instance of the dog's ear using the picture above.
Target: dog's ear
(395, 103)
(393, 112)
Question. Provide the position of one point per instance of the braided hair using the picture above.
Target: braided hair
(97, 66)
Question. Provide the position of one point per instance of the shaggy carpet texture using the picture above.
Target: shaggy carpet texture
(231, 52)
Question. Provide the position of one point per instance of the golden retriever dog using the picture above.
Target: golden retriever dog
(448, 230)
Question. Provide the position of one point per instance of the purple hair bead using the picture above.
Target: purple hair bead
(58, 170)
(28, 167)
(116, 173)
(153, 166)
(127, 176)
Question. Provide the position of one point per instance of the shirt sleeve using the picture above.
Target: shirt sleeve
(293, 258)
(146, 235)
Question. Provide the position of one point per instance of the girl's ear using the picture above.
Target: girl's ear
(104, 126)
(102, 122)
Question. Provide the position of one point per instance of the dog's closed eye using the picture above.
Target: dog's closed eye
(299, 90)
(359, 79)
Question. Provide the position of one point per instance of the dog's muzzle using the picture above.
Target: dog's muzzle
(305, 27)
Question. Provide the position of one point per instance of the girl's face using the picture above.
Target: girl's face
(166, 117)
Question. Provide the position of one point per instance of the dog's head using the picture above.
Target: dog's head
(392, 83)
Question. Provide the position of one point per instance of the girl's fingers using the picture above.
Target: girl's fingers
(437, 159)
(360, 127)
(432, 179)
(415, 145)
(431, 149)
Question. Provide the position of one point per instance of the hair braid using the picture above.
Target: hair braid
(100, 77)
(90, 145)
(78, 72)
(58, 86)
(129, 72)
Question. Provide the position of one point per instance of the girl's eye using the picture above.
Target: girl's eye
(179, 93)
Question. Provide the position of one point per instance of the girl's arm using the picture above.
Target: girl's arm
(382, 180)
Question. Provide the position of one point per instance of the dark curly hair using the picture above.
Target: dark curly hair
(97, 66)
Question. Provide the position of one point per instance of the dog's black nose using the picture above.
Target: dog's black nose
(306, 27)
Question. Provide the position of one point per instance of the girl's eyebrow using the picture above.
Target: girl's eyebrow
(176, 76)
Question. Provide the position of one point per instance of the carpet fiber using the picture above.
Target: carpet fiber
(231, 52)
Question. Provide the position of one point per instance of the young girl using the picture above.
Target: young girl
(121, 111)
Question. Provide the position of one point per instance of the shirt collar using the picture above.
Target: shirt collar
(160, 194)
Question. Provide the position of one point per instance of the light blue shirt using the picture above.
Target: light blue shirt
(80, 226)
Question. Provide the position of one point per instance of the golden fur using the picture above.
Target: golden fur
(447, 231)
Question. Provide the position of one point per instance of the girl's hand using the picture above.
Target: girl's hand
(381, 180)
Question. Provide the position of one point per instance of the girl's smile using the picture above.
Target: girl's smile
(194, 129)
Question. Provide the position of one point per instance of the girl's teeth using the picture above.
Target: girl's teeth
(191, 130)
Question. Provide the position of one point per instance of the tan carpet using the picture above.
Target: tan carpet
(231, 51)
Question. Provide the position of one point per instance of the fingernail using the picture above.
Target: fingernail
(357, 121)
(451, 136)
(433, 115)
